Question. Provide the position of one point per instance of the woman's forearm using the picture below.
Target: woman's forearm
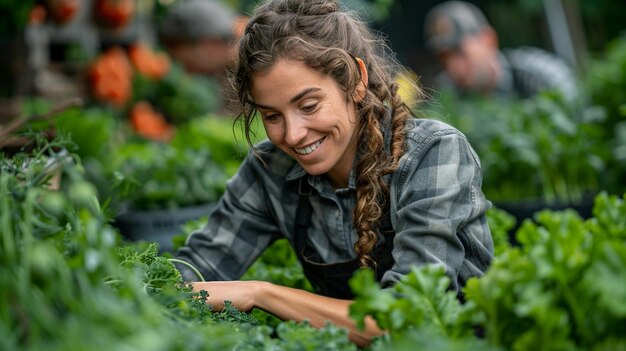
(299, 305)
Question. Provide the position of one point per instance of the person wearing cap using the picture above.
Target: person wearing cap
(466, 45)
(201, 36)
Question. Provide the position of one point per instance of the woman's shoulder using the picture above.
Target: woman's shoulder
(432, 144)
(424, 130)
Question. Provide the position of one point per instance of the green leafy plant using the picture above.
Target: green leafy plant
(191, 169)
(541, 149)
(160, 176)
(14, 16)
(501, 224)
(179, 96)
(562, 288)
(221, 135)
(606, 83)
(71, 286)
(420, 301)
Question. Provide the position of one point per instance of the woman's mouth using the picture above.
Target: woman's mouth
(309, 149)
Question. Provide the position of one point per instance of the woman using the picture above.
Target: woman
(348, 176)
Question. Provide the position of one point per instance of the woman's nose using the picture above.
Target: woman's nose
(295, 130)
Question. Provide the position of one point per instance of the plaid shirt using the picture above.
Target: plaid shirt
(437, 211)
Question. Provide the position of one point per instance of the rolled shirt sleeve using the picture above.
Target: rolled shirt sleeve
(238, 230)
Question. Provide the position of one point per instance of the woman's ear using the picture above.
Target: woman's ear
(361, 88)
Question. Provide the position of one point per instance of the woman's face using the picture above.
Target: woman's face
(306, 114)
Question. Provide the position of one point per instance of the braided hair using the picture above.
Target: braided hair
(328, 39)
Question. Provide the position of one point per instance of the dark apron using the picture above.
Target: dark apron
(332, 279)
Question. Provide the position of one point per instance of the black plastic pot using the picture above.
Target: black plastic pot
(526, 209)
(159, 226)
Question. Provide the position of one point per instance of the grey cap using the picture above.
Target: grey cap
(446, 24)
(191, 20)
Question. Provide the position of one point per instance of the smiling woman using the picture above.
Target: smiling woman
(348, 176)
(307, 115)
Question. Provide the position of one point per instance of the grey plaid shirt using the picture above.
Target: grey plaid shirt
(437, 211)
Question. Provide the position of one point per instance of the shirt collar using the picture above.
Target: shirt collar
(296, 172)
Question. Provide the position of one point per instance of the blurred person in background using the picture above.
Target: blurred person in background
(200, 35)
(467, 48)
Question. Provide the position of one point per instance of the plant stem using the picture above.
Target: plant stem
(17, 122)
(189, 265)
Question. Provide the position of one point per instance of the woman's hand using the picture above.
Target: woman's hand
(288, 304)
(242, 294)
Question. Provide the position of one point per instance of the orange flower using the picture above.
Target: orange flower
(149, 123)
(62, 11)
(111, 77)
(115, 14)
(148, 62)
(37, 15)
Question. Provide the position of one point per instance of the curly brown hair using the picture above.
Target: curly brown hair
(328, 39)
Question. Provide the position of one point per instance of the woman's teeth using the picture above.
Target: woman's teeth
(307, 150)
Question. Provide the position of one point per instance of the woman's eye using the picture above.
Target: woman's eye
(309, 108)
(271, 117)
